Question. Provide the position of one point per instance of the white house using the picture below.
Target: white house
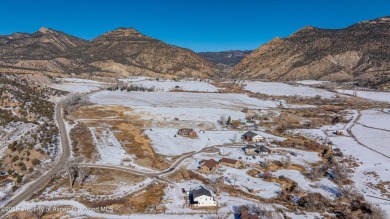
(201, 197)
(251, 136)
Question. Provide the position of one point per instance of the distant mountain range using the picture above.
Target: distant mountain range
(228, 58)
(360, 52)
(118, 53)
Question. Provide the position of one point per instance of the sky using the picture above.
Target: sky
(200, 25)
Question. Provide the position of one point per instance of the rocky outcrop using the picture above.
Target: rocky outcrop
(360, 52)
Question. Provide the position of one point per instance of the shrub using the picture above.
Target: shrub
(35, 161)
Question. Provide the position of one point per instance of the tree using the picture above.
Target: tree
(74, 98)
(234, 178)
(83, 173)
(229, 121)
(222, 120)
(35, 161)
(235, 138)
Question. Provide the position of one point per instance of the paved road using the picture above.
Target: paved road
(44, 179)
(211, 149)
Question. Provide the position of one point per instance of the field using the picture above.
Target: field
(169, 85)
(138, 158)
(282, 89)
(76, 85)
(370, 95)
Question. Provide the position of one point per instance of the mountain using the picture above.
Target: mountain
(127, 50)
(228, 58)
(44, 50)
(118, 53)
(359, 52)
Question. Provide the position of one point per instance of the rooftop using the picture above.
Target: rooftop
(199, 192)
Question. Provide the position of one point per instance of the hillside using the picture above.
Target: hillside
(118, 53)
(228, 58)
(359, 52)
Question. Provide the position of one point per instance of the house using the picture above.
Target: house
(230, 162)
(208, 166)
(263, 150)
(250, 149)
(249, 216)
(187, 132)
(251, 136)
(201, 197)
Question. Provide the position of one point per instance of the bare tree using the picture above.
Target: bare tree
(265, 164)
(376, 213)
(215, 183)
(73, 169)
(286, 162)
(222, 120)
(84, 173)
(340, 173)
(348, 192)
(74, 98)
(235, 138)
(234, 178)
(266, 175)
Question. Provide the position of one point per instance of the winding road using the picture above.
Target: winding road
(44, 180)
(211, 149)
(60, 165)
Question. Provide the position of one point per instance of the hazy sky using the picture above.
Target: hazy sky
(200, 25)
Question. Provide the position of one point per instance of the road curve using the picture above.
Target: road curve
(42, 181)
(211, 149)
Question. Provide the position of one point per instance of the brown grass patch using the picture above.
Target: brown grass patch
(138, 202)
(82, 141)
(127, 128)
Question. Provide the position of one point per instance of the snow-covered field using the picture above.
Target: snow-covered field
(311, 82)
(373, 167)
(282, 89)
(369, 162)
(171, 85)
(77, 85)
(180, 99)
(323, 186)
(109, 148)
(165, 142)
(376, 139)
(206, 115)
(376, 119)
(371, 95)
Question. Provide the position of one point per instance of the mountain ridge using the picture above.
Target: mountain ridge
(359, 52)
(117, 53)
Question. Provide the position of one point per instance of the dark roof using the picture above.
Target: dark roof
(210, 163)
(263, 148)
(248, 216)
(250, 134)
(250, 146)
(228, 160)
(185, 131)
(199, 192)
